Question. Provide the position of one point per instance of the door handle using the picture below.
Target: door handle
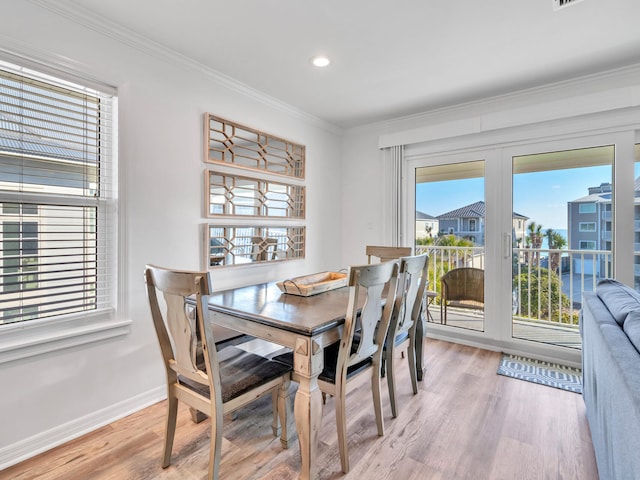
(506, 240)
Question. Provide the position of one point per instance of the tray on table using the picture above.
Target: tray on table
(313, 284)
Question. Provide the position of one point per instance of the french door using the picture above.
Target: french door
(539, 220)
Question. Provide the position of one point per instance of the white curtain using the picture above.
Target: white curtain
(396, 158)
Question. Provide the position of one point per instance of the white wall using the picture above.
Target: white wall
(49, 398)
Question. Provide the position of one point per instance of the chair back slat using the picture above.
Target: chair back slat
(181, 321)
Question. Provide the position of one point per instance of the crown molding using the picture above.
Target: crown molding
(562, 88)
(78, 14)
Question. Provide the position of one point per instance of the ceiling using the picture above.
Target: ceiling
(389, 57)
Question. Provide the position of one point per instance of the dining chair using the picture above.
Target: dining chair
(412, 280)
(384, 254)
(210, 381)
(346, 359)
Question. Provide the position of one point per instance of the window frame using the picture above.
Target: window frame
(582, 225)
(583, 210)
(34, 337)
(589, 242)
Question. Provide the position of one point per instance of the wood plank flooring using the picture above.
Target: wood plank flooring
(466, 422)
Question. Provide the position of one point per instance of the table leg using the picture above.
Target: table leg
(308, 362)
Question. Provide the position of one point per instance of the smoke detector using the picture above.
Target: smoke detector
(558, 4)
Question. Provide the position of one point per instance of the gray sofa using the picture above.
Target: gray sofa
(610, 330)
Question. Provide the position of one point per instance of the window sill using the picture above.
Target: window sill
(36, 337)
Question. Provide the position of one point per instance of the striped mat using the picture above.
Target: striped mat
(544, 373)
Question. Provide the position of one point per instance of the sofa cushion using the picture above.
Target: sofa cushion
(618, 298)
(632, 328)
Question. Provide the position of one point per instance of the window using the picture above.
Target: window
(587, 208)
(587, 226)
(56, 201)
(587, 245)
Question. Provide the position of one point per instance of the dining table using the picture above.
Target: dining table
(306, 324)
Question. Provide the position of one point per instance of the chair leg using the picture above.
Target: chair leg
(419, 345)
(411, 358)
(377, 397)
(215, 447)
(170, 429)
(391, 380)
(341, 423)
(285, 413)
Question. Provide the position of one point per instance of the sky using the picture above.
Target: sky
(541, 196)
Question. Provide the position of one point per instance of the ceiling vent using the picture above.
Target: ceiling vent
(558, 4)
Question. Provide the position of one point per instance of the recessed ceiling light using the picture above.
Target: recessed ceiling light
(320, 61)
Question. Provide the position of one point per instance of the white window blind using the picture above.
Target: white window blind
(56, 197)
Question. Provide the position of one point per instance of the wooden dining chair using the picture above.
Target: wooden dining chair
(345, 360)
(384, 254)
(412, 280)
(212, 382)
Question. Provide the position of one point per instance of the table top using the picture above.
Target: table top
(266, 304)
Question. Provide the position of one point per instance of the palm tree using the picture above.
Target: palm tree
(556, 242)
(534, 240)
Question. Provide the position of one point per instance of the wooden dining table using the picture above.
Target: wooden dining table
(304, 324)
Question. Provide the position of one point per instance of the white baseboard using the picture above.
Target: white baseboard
(41, 442)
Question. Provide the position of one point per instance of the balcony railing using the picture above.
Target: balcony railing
(547, 284)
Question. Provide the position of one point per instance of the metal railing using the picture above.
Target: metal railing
(547, 284)
(443, 259)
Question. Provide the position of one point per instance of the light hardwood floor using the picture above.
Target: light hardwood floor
(466, 422)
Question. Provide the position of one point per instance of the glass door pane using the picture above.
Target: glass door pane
(450, 226)
(562, 239)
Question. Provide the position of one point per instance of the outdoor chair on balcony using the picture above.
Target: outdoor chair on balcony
(462, 288)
